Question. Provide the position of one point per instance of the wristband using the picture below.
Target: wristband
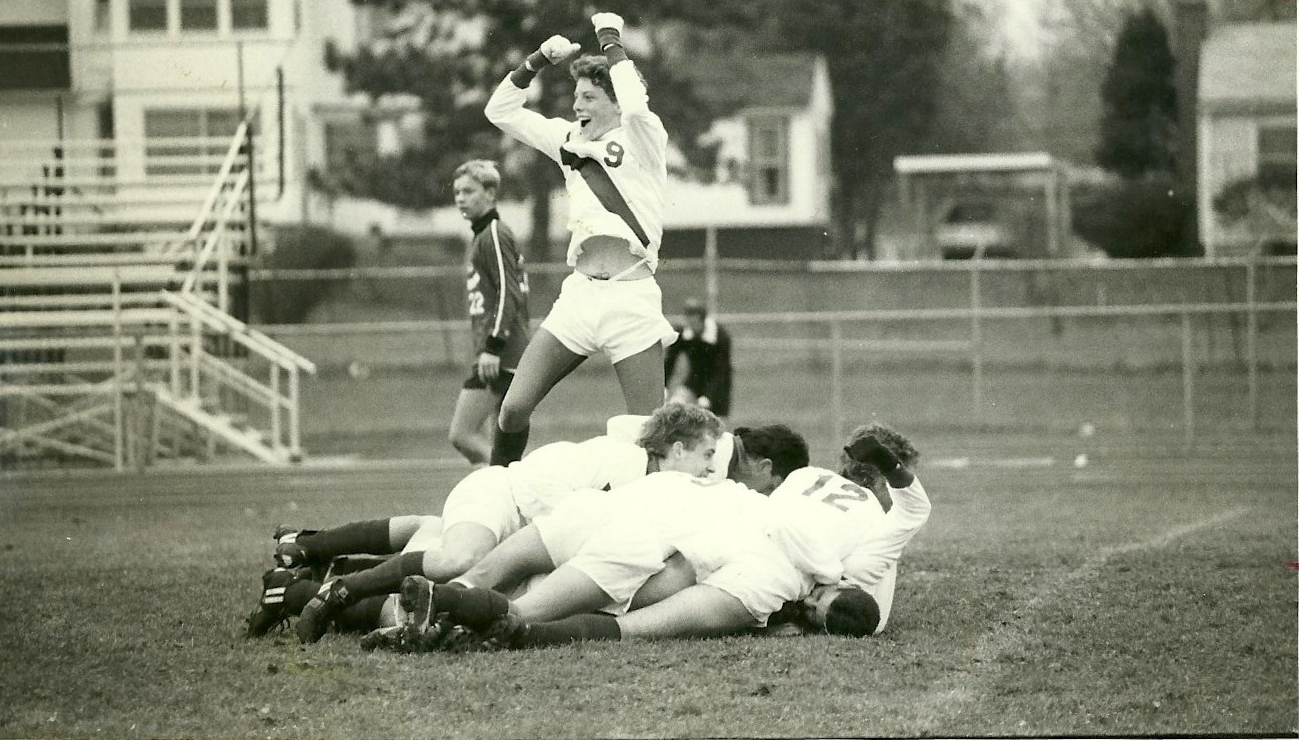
(608, 37)
(494, 345)
(611, 45)
(523, 74)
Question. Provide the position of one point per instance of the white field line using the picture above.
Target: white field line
(1014, 463)
(951, 695)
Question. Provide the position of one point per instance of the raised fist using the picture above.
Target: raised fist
(869, 450)
(607, 20)
(557, 48)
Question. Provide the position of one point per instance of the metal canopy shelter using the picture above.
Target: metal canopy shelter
(922, 176)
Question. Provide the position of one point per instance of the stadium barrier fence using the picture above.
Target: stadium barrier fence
(1238, 313)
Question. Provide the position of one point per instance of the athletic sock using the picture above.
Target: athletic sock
(384, 578)
(507, 447)
(474, 608)
(579, 628)
(362, 616)
(369, 536)
(297, 594)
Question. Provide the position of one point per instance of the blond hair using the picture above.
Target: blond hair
(482, 170)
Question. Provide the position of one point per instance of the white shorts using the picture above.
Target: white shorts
(620, 562)
(620, 318)
(762, 579)
(567, 528)
(484, 497)
(741, 560)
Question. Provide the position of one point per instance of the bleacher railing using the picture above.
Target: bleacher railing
(72, 312)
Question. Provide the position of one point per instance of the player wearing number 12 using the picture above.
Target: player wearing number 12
(614, 161)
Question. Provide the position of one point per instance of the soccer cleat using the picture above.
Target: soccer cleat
(385, 638)
(460, 639)
(320, 612)
(503, 634)
(270, 607)
(416, 599)
(288, 553)
(437, 637)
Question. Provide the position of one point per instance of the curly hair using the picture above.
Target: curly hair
(865, 474)
(677, 422)
(594, 67)
(784, 447)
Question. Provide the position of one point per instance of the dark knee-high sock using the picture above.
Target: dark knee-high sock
(362, 616)
(474, 608)
(578, 628)
(297, 594)
(369, 536)
(507, 447)
(384, 578)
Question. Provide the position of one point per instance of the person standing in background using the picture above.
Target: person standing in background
(705, 347)
(498, 310)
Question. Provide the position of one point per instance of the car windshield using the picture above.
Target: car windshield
(969, 213)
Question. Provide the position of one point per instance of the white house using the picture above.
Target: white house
(1246, 129)
(771, 194)
(151, 91)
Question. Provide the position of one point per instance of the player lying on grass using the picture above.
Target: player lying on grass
(750, 556)
(486, 507)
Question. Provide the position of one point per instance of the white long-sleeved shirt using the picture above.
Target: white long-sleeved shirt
(834, 530)
(630, 160)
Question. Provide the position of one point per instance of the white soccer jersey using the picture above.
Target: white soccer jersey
(822, 515)
(627, 164)
(551, 473)
(835, 530)
(621, 539)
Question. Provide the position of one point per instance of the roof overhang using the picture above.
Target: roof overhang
(925, 164)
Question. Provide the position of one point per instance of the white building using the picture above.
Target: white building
(1246, 130)
(152, 90)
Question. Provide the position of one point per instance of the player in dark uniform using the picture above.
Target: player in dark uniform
(705, 346)
(498, 310)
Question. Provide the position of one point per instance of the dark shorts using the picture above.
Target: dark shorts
(497, 387)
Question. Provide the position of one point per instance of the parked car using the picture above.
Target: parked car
(972, 230)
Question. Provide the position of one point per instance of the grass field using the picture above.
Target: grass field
(1151, 592)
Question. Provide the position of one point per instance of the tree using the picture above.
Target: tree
(978, 110)
(1139, 117)
(884, 60)
(450, 55)
(1146, 215)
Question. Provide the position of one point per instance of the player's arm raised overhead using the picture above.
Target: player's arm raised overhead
(505, 108)
(880, 549)
(643, 127)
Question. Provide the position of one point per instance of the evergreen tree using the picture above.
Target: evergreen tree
(450, 55)
(1139, 118)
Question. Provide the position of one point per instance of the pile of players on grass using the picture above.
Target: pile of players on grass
(665, 527)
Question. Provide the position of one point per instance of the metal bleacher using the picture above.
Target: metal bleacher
(118, 343)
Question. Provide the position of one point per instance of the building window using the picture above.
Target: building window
(246, 15)
(1277, 155)
(34, 58)
(187, 141)
(198, 15)
(147, 15)
(103, 16)
(768, 160)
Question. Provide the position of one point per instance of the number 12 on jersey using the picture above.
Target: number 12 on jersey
(838, 492)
